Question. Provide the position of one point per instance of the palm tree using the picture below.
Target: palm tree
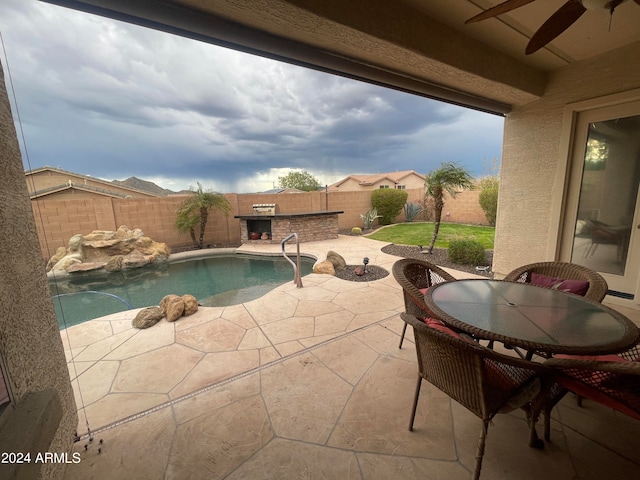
(449, 178)
(186, 221)
(196, 208)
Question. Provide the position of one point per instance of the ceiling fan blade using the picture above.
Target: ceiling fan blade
(499, 9)
(557, 23)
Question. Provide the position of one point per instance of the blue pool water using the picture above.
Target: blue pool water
(214, 281)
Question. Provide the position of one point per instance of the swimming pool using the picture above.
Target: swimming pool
(219, 280)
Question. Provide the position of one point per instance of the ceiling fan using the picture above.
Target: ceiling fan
(557, 23)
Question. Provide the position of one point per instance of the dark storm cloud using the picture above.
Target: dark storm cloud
(114, 100)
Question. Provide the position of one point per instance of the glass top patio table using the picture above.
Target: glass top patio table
(531, 317)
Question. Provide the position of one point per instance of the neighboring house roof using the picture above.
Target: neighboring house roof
(368, 179)
(109, 189)
(76, 186)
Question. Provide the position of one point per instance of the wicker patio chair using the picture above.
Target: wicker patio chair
(596, 290)
(611, 380)
(415, 276)
(482, 380)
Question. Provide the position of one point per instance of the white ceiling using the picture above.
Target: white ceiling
(589, 36)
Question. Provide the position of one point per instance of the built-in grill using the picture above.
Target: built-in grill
(265, 208)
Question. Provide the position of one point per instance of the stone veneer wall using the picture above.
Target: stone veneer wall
(309, 228)
(30, 343)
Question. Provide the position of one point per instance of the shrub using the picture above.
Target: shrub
(369, 217)
(488, 200)
(467, 252)
(388, 202)
(411, 211)
(356, 231)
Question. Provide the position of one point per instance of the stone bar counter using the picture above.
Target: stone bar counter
(273, 228)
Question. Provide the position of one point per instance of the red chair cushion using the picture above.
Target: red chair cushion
(596, 395)
(440, 326)
(579, 287)
(597, 377)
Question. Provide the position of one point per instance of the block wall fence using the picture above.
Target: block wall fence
(57, 220)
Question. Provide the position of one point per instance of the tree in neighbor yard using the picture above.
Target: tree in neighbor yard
(449, 178)
(301, 180)
(196, 209)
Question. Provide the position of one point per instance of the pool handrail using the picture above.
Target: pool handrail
(297, 279)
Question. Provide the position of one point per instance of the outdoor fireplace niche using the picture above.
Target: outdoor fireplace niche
(258, 226)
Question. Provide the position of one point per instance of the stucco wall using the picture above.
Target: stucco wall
(30, 342)
(532, 185)
(59, 220)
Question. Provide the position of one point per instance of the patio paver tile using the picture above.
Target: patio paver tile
(348, 357)
(298, 409)
(376, 417)
(137, 450)
(96, 382)
(101, 348)
(160, 335)
(332, 323)
(158, 371)
(215, 367)
(290, 459)
(217, 397)
(218, 335)
(239, 315)
(254, 339)
(384, 467)
(213, 445)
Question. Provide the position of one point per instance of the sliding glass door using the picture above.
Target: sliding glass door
(602, 219)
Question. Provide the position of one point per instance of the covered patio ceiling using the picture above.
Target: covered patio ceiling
(421, 46)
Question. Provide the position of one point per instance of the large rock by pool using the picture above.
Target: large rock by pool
(114, 251)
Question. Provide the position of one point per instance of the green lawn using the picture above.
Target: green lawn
(420, 233)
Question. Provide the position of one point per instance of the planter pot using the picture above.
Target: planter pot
(254, 235)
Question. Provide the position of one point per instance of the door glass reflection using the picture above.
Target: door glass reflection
(608, 194)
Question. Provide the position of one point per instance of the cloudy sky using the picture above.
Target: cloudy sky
(114, 100)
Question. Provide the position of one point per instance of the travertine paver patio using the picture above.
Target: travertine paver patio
(304, 383)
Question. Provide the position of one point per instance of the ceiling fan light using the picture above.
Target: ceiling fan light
(596, 4)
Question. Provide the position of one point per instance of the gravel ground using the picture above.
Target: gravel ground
(439, 257)
(373, 273)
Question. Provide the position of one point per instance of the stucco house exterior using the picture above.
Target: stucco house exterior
(399, 180)
(574, 103)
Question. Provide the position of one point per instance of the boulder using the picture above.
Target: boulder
(84, 266)
(337, 260)
(135, 259)
(172, 306)
(324, 267)
(131, 248)
(148, 317)
(114, 264)
(73, 256)
(65, 263)
(190, 305)
(60, 253)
